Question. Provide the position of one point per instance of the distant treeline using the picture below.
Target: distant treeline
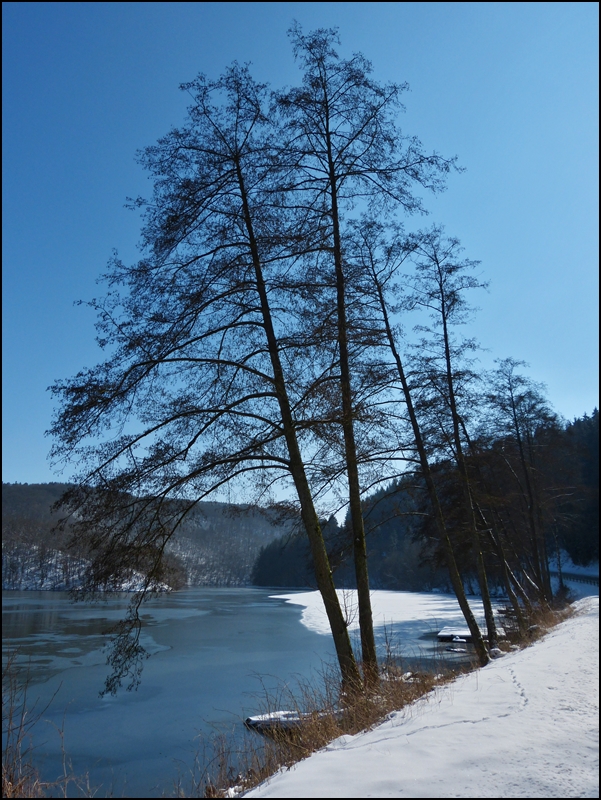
(403, 549)
(229, 545)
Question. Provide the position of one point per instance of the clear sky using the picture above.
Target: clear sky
(511, 88)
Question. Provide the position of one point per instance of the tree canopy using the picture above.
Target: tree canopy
(256, 348)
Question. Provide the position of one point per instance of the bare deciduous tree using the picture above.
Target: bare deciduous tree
(198, 391)
(343, 146)
(381, 257)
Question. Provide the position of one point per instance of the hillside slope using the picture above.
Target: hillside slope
(216, 546)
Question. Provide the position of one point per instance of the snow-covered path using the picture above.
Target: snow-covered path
(526, 725)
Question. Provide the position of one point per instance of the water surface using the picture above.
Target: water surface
(212, 652)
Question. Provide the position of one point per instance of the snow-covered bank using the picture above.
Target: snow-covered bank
(567, 565)
(526, 725)
(432, 609)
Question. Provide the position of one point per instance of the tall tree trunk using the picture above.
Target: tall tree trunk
(498, 547)
(325, 582)
(537, 588)
(507, 574)
(467, 492)
(540, 565)
(456, 581)
(368, 644)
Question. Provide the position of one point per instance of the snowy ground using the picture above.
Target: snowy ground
(524, 726)
(432, 610)
(567, 565)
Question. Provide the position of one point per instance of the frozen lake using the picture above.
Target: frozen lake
(213, 649)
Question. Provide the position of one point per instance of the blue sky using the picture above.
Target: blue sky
(511, 88)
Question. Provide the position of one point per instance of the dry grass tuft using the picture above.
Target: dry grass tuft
(20, 778)
(539, 622)
(324, 712)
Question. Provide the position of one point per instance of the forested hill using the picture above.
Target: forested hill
(233, 545)
(216, 546)
(403, 549)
